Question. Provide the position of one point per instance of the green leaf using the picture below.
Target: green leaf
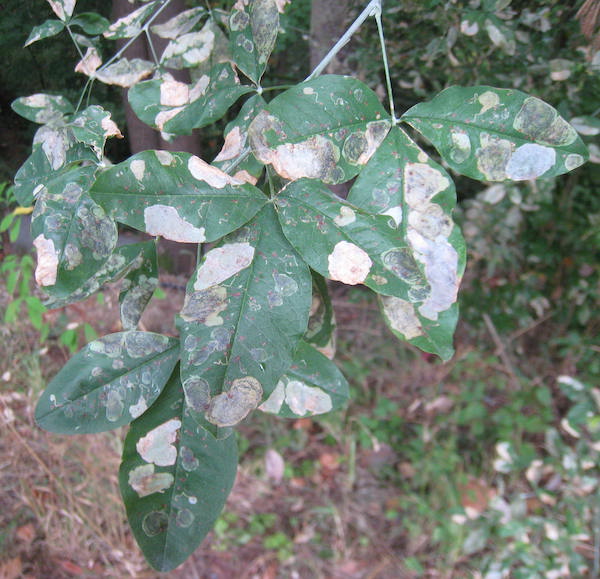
(174, 479)
(177, 196)
(253, 31)
(498, 134)
(125, 260)
(130, 25)
(313, 385)
(326, 128)
(72, 234)
(236, 142)
(178, 108)
(403, 183)
(91, 23)
(245, 310)
(42, 108)
(92, 127)
(139, 285)
(45, 30)
(108, 383)
(321, 324)
(347, 244)
(179, 24)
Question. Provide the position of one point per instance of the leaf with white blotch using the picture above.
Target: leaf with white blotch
(345, 243)
(174, 478)
(125, 72)
(236, 143)
(62, 8)
(90, 23)
(418, 196)
(108, 383)
(321, 332)
(72, 235)
(93, 126)
(326, 129)
(42, 108)
(245, 310)
(313, 385)
(130, 25)
(45, 30)
(139, 285)
(498, 134)
(191, 49)
(177, 196)
(253, 31)
(179, 24)
(124, 261)
(178, 108)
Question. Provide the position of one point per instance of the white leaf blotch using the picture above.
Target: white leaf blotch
(144, 481)
(221, 263)
(530, 161)
(138, 167)
(47, 261)
(165, 221)
(202, 171)
(349, 263)
(157, 446)
(303, 399)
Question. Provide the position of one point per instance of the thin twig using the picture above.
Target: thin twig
(372, 9)
(501, 350)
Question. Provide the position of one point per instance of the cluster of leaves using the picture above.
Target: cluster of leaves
(257, 328)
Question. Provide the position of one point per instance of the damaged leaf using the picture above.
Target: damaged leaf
(108, 383)
(347, 244)
(130, 25)
(253, 28)
(45, 30)
(174, 479)
(245, 310)
(189, 50)
(125, 72)
(124, 261)
(139, 285)
(42, 108)
(236, 143)
(327, 129)
(313, 385)
(498, 134)
(177, 108)
(80, 233)
(179, 24)
(92, 127)
(176, 196)
(418, 196)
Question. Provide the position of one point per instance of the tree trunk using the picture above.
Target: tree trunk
(328, 22)
(142, 137)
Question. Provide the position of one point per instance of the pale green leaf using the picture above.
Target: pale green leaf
(130, 25)
(179, 24)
